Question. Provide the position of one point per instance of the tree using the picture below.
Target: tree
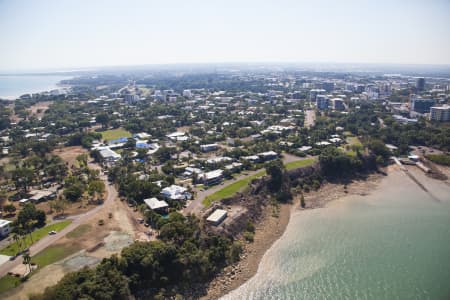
(275, 170)
(103, 119)
(29, 212)
(17, 240)
(59, 205)
(96, 187)
(73, 188)
(302, 200)
(22, 178)
(9, 208)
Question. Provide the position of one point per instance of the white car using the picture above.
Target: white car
(51, 232)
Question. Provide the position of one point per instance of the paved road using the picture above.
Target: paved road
(76, 221)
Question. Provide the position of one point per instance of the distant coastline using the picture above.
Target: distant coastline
(14, 86)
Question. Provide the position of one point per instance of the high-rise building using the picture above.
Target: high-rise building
(337, 104)
(131, 98)
(322, 102)
(420, 84)
(421, 105)
(328, 86)
(313, 94)
(440, 113)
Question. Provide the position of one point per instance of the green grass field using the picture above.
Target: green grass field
(38, 234)
(79, 231)
(300, 163)
(231, 189)
(115, 134)
(53, 254)
(8, 282)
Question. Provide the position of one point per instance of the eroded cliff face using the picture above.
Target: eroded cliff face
(249, 205)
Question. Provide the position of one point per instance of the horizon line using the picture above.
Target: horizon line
(74, 69)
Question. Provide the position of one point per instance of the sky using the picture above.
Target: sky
(61, 34)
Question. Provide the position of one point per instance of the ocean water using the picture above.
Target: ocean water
(13, 86)
(391, 244)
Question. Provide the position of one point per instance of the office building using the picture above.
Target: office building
(322, 102)
(337, 104)
(420, 105)
(440, 113)
(420, 84)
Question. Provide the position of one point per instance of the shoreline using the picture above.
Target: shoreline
(271, 228)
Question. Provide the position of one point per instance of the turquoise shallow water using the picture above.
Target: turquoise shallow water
(15, 86)
(392, 244)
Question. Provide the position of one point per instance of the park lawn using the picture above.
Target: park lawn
(54, 253)
(8, 282)
(38, 234)
(79, 231)
(114, 134)
(300, 163)
(231, 189)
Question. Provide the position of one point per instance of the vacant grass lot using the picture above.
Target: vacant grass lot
(79, 231)
(8, 282)
(38, 234)
(300, 163)
(114, 134)
(232, 189)
(54, 253)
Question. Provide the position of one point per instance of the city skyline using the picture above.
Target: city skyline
(64, 34)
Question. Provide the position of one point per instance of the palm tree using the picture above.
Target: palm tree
(30, 225)
(27, 260)
(17, 239)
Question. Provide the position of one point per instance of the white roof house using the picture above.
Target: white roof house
(176, 135)
(209, 147)
(251, 158)
(218, 160)
(217, 216)
(175, 192)
(211, 177)
(305, 148)
(155, 204)
(109, 155)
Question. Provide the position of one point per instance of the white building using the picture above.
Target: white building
(157, 205)
(217, 217)
(187, 94)
(5, 228)
(209, 147)
(212, 177)
(109, 155)
(175, 192)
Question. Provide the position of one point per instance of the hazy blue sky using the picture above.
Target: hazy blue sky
(38, 34)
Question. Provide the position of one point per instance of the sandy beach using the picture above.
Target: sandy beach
(271, 228)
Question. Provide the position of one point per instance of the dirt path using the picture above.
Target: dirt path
(310, 118)
(39, 109)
